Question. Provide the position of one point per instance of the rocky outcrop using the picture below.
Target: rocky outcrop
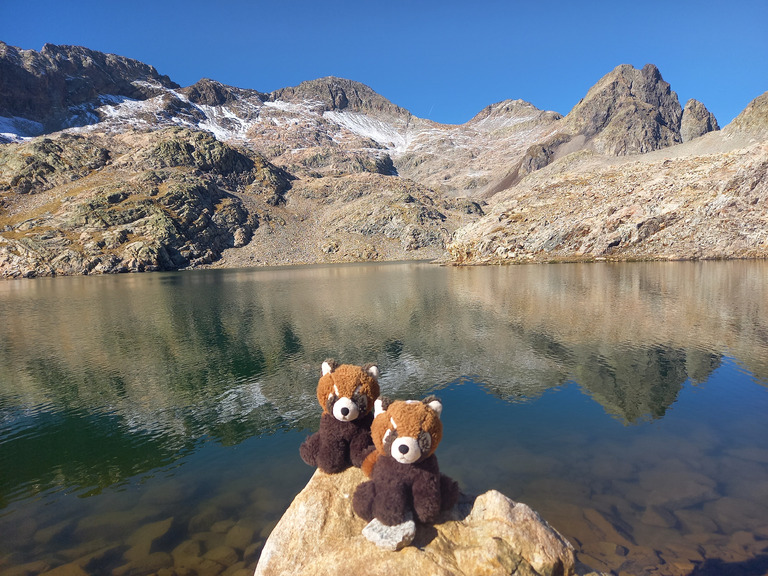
(211, 93)
(628, 111)
(60, 86)
(331, 93)
(163, 202)
(696, 121)
(655, 208)
(44, 163)
(487, 534)
(752, 121)
(88, 204)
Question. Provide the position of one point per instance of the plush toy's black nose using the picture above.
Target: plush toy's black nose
(345, 411)
(403, 449)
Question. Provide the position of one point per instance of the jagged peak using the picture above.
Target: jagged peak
(624, 106)
(214, 93)
(510, 109)
(338, 94)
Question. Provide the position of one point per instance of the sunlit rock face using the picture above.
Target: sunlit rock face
(487, 534)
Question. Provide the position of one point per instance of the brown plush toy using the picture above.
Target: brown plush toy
(405, 477)
(346, 394)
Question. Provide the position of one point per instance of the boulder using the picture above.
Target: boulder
(696, 121)
(489, 534)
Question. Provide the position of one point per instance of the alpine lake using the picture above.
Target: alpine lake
(151, 423)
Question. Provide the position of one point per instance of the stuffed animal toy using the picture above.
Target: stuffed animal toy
(405, 480)
(347, 394)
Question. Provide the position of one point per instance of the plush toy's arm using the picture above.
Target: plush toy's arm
(360, 447)
(309, 449)
(426, 496)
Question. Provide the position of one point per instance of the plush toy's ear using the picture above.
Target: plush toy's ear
(329, 366)
(381, 405)
(434, 403)
(372, 370)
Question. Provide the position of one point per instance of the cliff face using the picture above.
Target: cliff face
(61, 85)
(343, 174)
(702, 199)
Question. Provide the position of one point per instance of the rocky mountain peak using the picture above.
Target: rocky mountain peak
(511, 109)
(45, 86)
(628, 111)
(212, 93)
(339, 94)
(696, 121)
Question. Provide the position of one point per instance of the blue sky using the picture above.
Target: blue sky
(441, 60)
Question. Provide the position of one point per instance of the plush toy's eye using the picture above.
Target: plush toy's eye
(362, 401)
(331, 401)
(389, 437)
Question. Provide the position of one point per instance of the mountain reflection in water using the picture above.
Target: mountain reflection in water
(104, 381)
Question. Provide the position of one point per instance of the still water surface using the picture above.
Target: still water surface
(152, 422)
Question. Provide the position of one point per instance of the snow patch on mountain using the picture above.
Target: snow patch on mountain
(16, 129)
(384, 133)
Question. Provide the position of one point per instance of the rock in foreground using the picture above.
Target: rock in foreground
(489, 534)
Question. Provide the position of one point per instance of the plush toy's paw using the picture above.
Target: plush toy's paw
(332, 461)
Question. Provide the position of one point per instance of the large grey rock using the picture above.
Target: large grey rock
(697, 121)
(489, 534)
(390, 537)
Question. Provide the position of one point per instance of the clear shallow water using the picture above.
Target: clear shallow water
(152, 421)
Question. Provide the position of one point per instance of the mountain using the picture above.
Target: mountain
(331, 171)
(702, 199)
(60, 86)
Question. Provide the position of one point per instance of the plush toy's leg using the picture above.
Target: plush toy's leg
(449, 492)
(309, 449)
(391, 506)
(426, 497)
(333, 457)
(362, 500)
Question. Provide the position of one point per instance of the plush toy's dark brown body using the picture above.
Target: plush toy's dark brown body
(347, 394)
(338, 445)
(395, 490)
(405, 477)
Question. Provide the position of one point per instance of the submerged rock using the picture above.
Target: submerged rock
(488, 534)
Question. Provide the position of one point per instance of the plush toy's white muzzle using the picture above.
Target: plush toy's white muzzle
(406, 450)
(345, 410)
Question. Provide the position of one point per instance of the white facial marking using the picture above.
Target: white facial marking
(336, 389)
(393, 423)
(406, 450)
(345, 410)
